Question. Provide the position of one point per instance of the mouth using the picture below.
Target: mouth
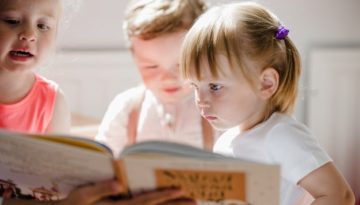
(172, 90)
(21, 54)
(210, 117)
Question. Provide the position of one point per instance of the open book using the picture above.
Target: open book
(49, 167)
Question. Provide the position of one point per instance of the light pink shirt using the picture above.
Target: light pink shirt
(113, 129)
(33, 113)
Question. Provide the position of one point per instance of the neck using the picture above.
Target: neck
(254, 120)
(167, 113)
(170, 108)
(15, 85)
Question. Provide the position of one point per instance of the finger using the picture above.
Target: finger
(158, 197)
(184, 201)
(92, 193)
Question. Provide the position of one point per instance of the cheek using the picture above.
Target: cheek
(5, 40)
(48, 43)
(226, 104)
(149, 77)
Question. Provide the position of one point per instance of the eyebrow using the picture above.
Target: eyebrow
(49, 14)
(13, 8)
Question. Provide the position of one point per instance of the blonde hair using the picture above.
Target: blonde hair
(243, 32)
(148, 19)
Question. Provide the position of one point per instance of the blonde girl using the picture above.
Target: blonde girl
(245, 71)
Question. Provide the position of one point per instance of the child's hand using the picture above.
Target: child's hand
(164, 197)
(95, 194)
(91, 194)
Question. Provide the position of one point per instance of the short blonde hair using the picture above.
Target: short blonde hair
(148, 19)
(242, 32)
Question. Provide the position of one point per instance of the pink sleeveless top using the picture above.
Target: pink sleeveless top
(33, 113)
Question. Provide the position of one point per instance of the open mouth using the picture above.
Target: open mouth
(21, 54)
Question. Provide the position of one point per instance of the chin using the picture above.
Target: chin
(221, 126)
(216, 126)
(173, 98)
(169, 99)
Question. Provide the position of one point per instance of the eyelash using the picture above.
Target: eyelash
(43, 27)
(193, 86)
(151, 67)
(11, 21)
(14, 22)
(215, 87)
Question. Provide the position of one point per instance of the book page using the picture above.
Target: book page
(209, 181)
(204, 185)
(48, 170)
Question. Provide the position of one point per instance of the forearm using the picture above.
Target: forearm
(26, 202)
(328, 187)
(338, 199)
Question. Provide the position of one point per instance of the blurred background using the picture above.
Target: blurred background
(93, 65)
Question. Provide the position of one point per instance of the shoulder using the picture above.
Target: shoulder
(125, 99)
(286, 130)
(60, 121)
(120, 107)
(291, 144)
(46, 83)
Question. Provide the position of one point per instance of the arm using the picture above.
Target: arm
(60, 122)
(328, 186)
(94, 194)
(113, 128)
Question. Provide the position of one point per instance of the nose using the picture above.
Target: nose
(202, 104)
(28, 34)
(201, 100)
(171, 72)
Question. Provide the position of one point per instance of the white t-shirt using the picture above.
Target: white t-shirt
(279, 140)
(113, 129)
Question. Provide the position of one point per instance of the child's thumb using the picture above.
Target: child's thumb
(93, 193)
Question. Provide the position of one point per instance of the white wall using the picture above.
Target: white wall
(98, 25)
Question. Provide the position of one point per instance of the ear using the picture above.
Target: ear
(269, 82)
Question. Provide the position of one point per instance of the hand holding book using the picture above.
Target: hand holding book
(97, 194)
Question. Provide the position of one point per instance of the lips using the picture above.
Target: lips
(172, 90)
(20, 55)
(209, 117)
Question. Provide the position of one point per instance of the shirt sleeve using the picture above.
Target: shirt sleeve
(113, 128)
(1, 200)
(296, 150)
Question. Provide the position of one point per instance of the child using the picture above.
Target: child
(28, 101)
(163, 108)
(245, 70)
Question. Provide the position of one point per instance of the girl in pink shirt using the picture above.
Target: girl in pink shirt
(29, 102)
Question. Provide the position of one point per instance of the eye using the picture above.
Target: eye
(215, 87)
(43, 27)
(194, 86)
(11, 21)
(150, 67)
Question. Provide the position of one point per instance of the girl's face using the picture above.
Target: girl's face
(158, 63)
(27, 32)
(228, 100)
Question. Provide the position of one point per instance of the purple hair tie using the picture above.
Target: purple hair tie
(281, 33)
